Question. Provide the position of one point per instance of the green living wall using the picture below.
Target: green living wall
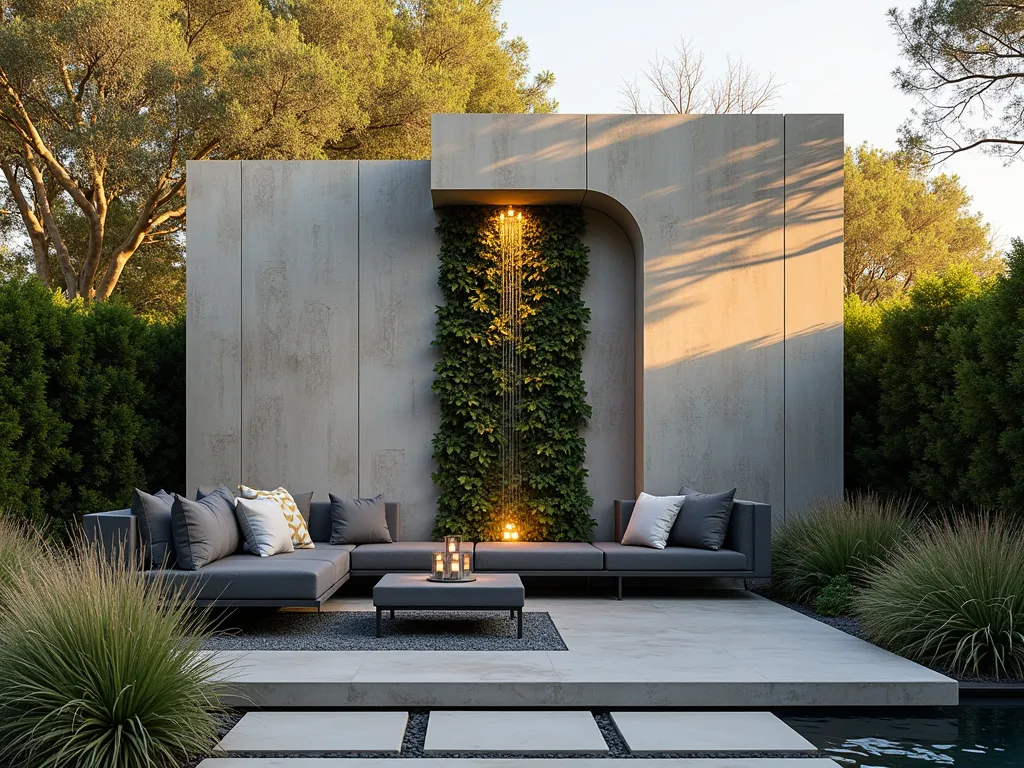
(934, 393)
(469, 382)
(92, 404)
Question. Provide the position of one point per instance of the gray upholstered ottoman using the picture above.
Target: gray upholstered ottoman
(413, 592)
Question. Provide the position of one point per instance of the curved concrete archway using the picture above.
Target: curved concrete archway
(736, 226)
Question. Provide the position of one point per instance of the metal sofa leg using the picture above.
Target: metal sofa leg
(619, 580)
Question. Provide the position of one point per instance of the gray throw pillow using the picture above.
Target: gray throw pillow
(154, 517)
(359, 521)
(703, 519)
(302, 501)
(651, 521)
(204, 530)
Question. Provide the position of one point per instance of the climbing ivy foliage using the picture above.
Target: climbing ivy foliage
(556, 505)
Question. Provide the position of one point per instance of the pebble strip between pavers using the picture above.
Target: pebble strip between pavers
(488, 762)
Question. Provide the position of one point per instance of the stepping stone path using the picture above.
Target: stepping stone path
(682, 732)
(296, 731)
(520, 732)
(470, 736)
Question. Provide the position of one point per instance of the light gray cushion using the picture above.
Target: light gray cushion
(651, 521)
(624, 558)
(359, 521)
(398, 556)
(204, 530)
(289, 576)
(154, 517)
(703, 519)
(523, 556)
(490, 590)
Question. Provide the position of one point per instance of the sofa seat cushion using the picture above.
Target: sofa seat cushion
(339, 554)
(291, 576)
(618, 557)
(524, 556)
(398, 556)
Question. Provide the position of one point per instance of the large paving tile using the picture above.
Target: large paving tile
(502, 731)
(304, 762)
(684, 732)
(298, 731)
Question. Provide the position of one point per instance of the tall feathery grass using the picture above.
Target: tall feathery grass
(99, 671)
(843, 537)
(953, 598)
(21, 551)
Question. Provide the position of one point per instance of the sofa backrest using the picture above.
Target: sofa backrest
(739, 536)
(319, 521)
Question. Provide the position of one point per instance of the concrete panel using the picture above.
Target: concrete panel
(814, 309)
(213, 323)
(398, 294)
(707, 195)
(527, 158)
(300, 273)
(608, 369)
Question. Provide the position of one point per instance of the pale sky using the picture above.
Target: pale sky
(830, 55)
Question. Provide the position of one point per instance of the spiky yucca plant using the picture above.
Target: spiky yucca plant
(99, 672)
(953, 598)
(844, 537)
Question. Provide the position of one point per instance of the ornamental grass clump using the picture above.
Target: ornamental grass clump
(99, 672)
(953, 598)
(21, 551)
(845, 537)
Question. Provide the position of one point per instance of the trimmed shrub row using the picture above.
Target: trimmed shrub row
(934, 395)
(91, 405)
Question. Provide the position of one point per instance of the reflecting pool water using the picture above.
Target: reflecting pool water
(964, 737)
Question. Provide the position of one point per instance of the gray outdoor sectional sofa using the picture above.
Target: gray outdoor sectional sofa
(308, 577)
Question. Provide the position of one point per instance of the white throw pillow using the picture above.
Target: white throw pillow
(652, 520)
(264, 527)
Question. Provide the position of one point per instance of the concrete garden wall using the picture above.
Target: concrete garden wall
(715, 355)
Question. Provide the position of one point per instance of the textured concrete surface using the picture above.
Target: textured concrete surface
(300, 342)
(317, 732)
(509, 159)
(503, 731)
(608, 369)
(308, 376)
(213, 344)
(480, 762)
(682, 732)
(732, 649)
(703, 200)
(814, 309)
(707, 194)
(398, 294)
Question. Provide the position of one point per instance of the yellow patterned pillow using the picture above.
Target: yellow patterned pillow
(296, 523)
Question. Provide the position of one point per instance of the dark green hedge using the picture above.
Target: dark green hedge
(91, 405)
(467, 445)
(935, 390)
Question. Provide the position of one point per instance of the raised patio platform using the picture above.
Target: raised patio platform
(727, 649)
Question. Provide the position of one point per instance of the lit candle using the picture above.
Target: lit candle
(465, 564)
(455, 566)
(439, 565)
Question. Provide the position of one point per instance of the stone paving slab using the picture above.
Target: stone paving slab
(503, 731)
(683, 732)
(297, 731)
(344, 762)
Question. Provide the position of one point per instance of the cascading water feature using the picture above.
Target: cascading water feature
(511, 229)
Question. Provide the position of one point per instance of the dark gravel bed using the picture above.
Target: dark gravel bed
(409, 631)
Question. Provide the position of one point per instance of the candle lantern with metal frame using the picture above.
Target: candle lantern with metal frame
(451, 565)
